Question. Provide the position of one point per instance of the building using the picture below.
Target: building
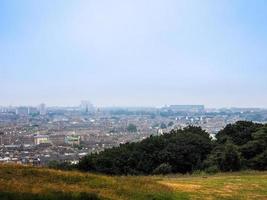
(41, 139)
(42, 109)
(187, 108)
(32, 111)
(27, 140)
(57, 139)
(5, 139)
(86, 106)
(72, 140)
(1, 138)
(22, 111)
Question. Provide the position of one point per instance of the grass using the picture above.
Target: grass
(30, 183)
(248, 185)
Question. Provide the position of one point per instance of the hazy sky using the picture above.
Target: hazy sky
(134, 52)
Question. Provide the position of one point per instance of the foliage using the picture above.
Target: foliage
(260, 161)
(184, 150)
(164, 168)
(48, 196)
(239, 133)
(54, 164)
(242, 145)
(230, 158)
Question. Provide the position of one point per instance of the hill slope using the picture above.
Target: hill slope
(21, 183)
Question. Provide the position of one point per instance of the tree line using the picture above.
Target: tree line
(239, 146)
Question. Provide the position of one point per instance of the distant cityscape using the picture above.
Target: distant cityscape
(38, 135)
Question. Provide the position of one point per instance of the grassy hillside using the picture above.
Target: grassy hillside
(21, 183)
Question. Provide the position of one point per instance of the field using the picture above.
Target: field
(25, 183)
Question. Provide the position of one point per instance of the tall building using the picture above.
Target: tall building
(1, 138)
(42, 109)
(22, 111)
(32, 110)
(86, 106)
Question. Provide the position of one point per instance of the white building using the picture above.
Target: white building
(42, 109)
(41, 139)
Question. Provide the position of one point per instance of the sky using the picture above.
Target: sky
(133, 52)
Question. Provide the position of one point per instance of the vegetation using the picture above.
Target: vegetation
(242, 145)
(238, 147)
(184, 150)
(48, 196)
(30, 183)
(164, 168)
(54, 164)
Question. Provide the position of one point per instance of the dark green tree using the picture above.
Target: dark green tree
(230, 160)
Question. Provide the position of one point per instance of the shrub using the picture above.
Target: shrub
(231, 160)
(164, 168)
(48, 196)
(212, 169)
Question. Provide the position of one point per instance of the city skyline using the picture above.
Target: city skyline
(124, 106)
(133, 53)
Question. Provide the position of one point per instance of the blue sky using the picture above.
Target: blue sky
(134, 52)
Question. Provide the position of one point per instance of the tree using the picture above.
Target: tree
(239, 133)
(164, 168)
(230, 160)
(184, 150)
(223, 157)
(239, 146)
(260, 161)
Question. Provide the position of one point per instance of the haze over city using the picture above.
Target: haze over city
(133, 99)
(133, 53)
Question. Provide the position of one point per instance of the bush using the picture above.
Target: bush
(54, 164)
(212, 169)
(231, 160)
(48, 196)
(260, 162)
(164, 168)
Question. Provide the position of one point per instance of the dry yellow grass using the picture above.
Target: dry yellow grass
(243, 186)
(230, 186)
(23, 179)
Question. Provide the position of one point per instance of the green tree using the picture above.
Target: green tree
(164, 168)
(239, 133)
(230, 160)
